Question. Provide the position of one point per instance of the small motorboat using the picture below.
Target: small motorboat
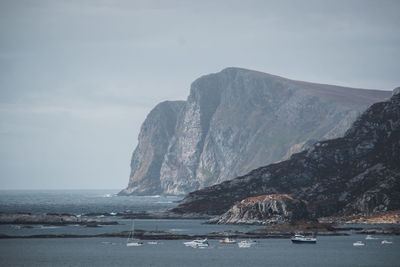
(386, 242)
(358, 244)
(227, 240)
(370, 237)
(197, 243)
(302, 239)
(152, 243)
(246, 243)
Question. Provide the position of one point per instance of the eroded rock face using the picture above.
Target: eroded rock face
(265, 209)
(356, 174)
(148, 157)
(235, 121)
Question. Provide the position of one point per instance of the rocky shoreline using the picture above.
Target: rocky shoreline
(334, 226)
(283, 230)
(386, 217)
(52, 219)
(160, 235)
(262, 233)
(59, 219)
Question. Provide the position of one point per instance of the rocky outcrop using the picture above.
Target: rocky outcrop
(51, 219)
(235, 121)
(356, 174)
(265, 209)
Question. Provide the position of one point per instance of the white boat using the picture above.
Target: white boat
(386, 242)
(152, 243)
(227, 240)
(302, 239)
(245, 243)
(131, 241)
(358, 244)
(134, 243)
(370, 237)
(197, 243)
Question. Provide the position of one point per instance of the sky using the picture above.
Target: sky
(77, 78)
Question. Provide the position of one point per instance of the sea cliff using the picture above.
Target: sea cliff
(358, 173)
(233, 122)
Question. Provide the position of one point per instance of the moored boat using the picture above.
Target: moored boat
(302, 239)
(134, 243)
(197, 243)
(358, 244)
(386, 242)
(246, 243)
(227, 240)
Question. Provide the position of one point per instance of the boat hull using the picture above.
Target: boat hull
(134, 244)
(228, 241)
(197, 243)
(296, 241)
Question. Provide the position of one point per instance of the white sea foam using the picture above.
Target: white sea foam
(49, 227)
(177, 230)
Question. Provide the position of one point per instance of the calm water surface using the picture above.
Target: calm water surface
(80, 201)
(329, 251)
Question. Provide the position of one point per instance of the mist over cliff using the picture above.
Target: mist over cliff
(233, 122)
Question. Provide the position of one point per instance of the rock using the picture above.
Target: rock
(148, 157)
(265, 209)
(308, 226)
(50, 219)
(396, 91)
(356, 174)
(235, 121)
(389, 217)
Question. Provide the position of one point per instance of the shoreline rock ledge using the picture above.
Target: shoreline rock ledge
(265, 209)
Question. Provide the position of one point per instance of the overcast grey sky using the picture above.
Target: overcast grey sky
(77, 78)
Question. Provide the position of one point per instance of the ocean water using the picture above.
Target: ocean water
(80, 201)
(329, 251)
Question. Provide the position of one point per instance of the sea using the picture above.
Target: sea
(329, 250)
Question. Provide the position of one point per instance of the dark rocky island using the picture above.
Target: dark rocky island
(358, 173)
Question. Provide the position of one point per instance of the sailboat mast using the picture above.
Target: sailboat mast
(132, 232)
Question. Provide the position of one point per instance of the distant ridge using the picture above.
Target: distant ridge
(235, 121)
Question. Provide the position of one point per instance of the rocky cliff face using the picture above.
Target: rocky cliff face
(155, 135)
(235, 121)
(358, 173)
(265, 209)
